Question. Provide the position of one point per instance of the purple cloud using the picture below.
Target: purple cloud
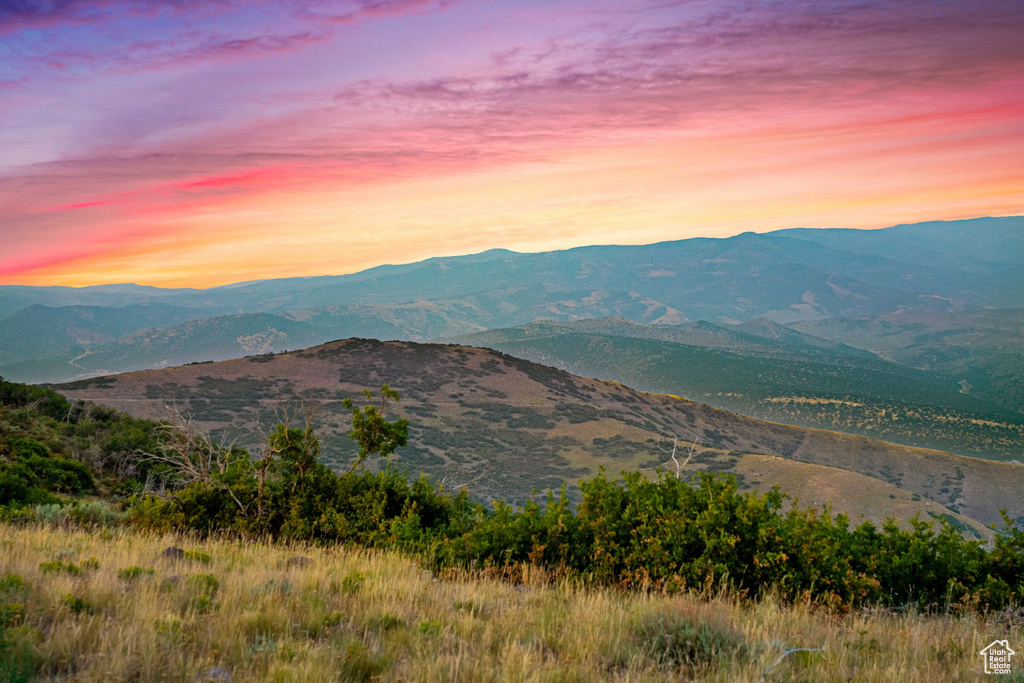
(24, 14)
(360, 10)
(176, 100)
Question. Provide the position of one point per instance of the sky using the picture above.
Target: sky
(202, 142)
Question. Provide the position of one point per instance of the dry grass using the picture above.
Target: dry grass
(357, 615)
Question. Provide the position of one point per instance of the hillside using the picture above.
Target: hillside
(983, 349)
(505, 426)
(786, 276)
(40, 331)
(767, 370)
(252, 612)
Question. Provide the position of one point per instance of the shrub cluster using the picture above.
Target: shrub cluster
(664, 533)
(675, 534)
(50, 448)
(31, 474)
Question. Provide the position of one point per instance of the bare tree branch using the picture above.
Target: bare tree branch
(689, 454)
(191, 455)
(788, 653)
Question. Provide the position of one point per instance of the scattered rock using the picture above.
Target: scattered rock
(215, 673)
(1013, 617)
(173, 553)
(298, 561)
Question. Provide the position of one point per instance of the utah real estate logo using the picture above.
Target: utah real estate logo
(997, 657)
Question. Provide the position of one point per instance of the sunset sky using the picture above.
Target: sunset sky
(203, 142)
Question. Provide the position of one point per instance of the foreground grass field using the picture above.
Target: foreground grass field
(111, 606)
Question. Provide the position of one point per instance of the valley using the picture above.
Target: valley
(772, 372)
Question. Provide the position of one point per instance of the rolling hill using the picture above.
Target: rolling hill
(769, 371)
(504, 426)
(39, 331)
(983, 349)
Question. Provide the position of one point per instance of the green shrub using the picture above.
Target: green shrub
(58, 566)
(18, 662)
(11, 584)
(11, 614)
(385, 622)
(429, 628)
(46, 401)
(17, 487)
(202, 603)
(198, 556)
(359, 663)
(59, 475)
(676, 641)
(334, 619)
(95, 514)
(352, 582)
(207, 583)
(134, 572)
(52, 514)
(76, 605)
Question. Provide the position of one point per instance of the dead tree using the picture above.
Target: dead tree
(192, 456)
(689, 454)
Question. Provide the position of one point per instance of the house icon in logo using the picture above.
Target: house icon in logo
(997, 657)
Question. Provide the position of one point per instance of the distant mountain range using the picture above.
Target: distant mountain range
(786, 275)
(922, 321)
(504, 427)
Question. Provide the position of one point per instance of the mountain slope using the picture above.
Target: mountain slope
(38, 331)
(984, 350)
(785, 376)
(506, 426)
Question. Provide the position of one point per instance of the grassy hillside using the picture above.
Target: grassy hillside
(251, 612)
(504, 426)
(774, 373)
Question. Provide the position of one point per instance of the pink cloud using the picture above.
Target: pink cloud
(373, 9)
(611, 74)
(74, 207)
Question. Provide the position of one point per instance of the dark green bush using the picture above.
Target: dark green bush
(198, 556)
(385, 622)
(676, 641)
(58, 566)
(59, 475)
(45, 401)
(76, 605)
(133, 573)
(664, 533)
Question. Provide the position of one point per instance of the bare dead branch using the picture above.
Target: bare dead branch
(675, 446)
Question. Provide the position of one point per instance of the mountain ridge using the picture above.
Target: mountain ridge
(748, 286)
(510, 426)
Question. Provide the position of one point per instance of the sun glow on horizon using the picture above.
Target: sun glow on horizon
(303, 144)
